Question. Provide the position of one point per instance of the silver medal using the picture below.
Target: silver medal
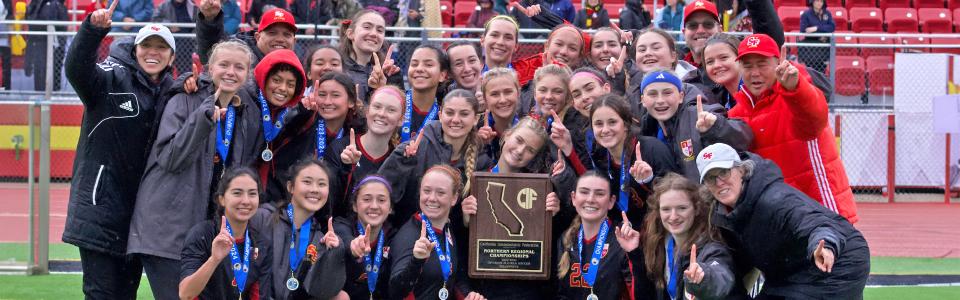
(293, 284)
(592, 296)
(444, 293)
(266, 155)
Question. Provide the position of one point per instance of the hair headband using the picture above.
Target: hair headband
(388, 91)
(587, 74)
(661, 76)
(372, 178)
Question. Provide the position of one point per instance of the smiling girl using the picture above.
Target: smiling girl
(429, 67)
(368, 265)
(465, 65)
(361, 38)
(360, 155)
(200, 136)
(281, 81)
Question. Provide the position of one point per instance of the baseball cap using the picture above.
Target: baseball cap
(716, 156)
(277, 16)
(758, 43)
(700, 5)
(155, 30)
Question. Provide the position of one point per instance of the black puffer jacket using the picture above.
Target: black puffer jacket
(776, 228)
(719, 280)
(121, 111)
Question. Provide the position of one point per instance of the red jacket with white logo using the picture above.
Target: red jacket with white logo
(791, 128)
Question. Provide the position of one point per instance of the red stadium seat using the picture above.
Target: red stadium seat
(831, 4)
(928, 4)
(847, 39)
(861, 3)
(953, 4)
(913, 41)
(464, 5)
(851, 80)
(880, 74)
(945, 41)
(613, 9)
(884, 4)
(935, 20)
(790, 16)
(869, 52)
(840, 18)
(901, 20)
(866, 19)
(782, 3)
(956, 20)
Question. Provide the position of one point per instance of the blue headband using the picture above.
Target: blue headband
(373, 178)
(661, 76)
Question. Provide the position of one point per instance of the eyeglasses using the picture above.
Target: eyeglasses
(722, 174)
(708, 25)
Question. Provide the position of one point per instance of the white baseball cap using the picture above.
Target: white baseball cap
(158, 30)
(716, 156)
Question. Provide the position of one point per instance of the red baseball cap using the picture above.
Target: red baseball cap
(758, 43)
(277, 16)
(700, 5)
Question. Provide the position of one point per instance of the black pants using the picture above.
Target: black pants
(164, 276)
(5, 59)
(107, 276)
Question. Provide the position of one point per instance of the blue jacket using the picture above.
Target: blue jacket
(140, 10)
(670, 19)
(824, 23)
(231, 17)
(562, 8)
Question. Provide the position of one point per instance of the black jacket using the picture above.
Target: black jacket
(356, 284)
(211, 32)
(655, 153)
(422, 279)
(685, 141)
(613, 278)
(121, 112)
(176, 189)
(345, 176)
(633, 16)
(719, 279)
(360, 74)
(320, 272)
(196, 251)
(405, 172)
(776, 228)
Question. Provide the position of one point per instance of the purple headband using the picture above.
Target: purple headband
(370, 178)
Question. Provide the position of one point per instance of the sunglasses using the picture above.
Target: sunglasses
(708, 25)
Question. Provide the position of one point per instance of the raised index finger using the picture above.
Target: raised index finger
(699, 104)
(423, 230)
(419, 137)
(113, 6)
(638, 154)
(353, 137)
(556, 118)
(693, 254)
(223, 223)
(330, 224)
(390, 52)
(376, 61)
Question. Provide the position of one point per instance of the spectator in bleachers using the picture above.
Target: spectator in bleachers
(36, 52)
(479, 17)
(307, 12)
(389, 9)
(178, 11)
(816, 19)
(634, 16)
(562, 8)
(257, 7)
(133, 11)
(277, 32)
(592, 16)
(231, 16)
(670, 17)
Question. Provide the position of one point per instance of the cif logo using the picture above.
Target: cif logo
(526, 197)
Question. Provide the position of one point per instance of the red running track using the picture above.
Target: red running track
(900, 229)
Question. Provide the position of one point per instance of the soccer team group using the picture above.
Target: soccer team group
(264, 174)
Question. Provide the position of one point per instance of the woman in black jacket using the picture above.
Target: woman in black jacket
(417, 272)
(229, 259)
(684, 257)
(367, 263)
(361, 38)
(308, 262)
(634, 16)
(354, 158)
(200, 136)
(122, 98)
(803, 249)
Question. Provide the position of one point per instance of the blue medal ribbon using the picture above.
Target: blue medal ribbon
(240, 267)
(444, 257)
(590, 138)
(322, 137)
(590, 276)
(405, 131)
(549, 124)
(661, 136)
(496, 169)
(485, 68)
(372, 266)
(225, 136)
(298, 247)
(491, 122)
(270, 129)
(671, 268)
(623, 200)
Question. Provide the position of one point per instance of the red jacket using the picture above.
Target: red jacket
(791, 128)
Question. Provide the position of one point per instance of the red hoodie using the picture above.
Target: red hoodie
(269, 62)
(792, 129)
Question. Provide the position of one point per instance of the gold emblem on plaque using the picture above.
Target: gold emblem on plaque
(495, 198)
(525, 198)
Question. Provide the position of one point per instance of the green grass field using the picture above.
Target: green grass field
(68, 286)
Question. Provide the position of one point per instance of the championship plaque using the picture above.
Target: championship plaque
(510, 234)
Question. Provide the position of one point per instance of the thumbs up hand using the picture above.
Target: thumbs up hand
(694, 274)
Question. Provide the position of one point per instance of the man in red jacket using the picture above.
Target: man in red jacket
(789, 118)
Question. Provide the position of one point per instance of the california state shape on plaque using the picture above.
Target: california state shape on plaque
(510, 234)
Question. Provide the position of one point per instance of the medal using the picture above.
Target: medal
(240, 266)
(592, 296)
(225, 135)
(322, 137)
(372, 264)
(266, 155)
(590, 274)
(406, 130)
(623, 200)
(293, 284)
(443, 294)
